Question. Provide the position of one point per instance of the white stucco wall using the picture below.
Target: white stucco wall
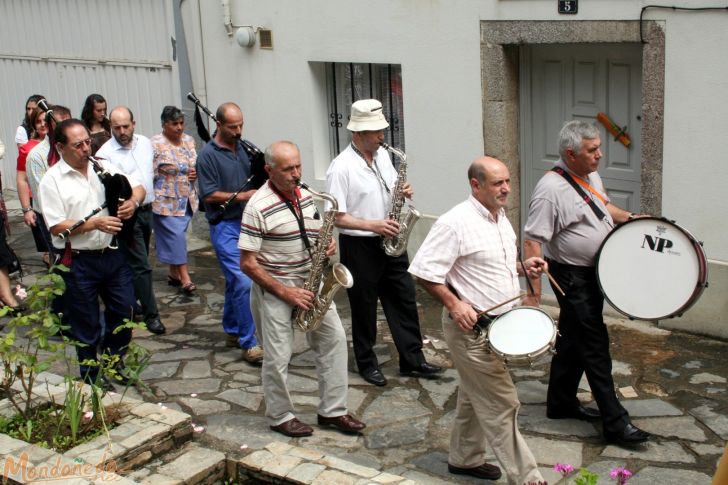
(438, 45)
(695, 181)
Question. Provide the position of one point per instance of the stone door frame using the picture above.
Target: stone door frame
(500, 43)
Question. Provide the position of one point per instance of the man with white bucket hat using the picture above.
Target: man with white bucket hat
(362, 179)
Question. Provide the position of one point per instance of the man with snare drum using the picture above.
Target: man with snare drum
(468, 261)
(569, 217)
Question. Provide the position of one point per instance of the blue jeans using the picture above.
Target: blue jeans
(236, 317)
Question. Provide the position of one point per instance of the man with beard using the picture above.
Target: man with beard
(223, 167)
(133, 155)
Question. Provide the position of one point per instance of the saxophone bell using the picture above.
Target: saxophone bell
(324, 280)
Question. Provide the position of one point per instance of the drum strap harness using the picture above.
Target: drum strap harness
(597, 211)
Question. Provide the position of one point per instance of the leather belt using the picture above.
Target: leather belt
(91, 251)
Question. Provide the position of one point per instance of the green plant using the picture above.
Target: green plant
(28, 348)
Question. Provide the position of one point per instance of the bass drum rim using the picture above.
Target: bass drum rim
(700, 284)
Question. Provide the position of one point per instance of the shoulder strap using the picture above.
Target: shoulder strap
(597, 211)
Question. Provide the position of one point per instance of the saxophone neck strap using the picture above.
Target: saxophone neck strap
(294, 205)
(372, 166)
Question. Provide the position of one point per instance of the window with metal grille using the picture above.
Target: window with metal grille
(349, 82)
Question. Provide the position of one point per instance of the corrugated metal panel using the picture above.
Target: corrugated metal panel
(68, 49)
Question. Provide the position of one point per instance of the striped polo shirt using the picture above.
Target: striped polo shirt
(270, 229)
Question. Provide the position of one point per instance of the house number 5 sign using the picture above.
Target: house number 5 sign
(568, 6)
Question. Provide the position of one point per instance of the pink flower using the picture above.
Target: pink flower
(621, 475)
(563, 468)
(20, 292)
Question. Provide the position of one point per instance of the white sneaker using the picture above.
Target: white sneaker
(254, 355)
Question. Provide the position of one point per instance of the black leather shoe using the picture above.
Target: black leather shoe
(293, 428)
(374, 376)
(580, 412)
(156, 326)
(485, 471)
(344, 423)
(425, 369)
(630, 435)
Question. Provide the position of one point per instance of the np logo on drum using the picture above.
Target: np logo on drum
(657, 243)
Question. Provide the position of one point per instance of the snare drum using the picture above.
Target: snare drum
(521, 335)
(650, 268)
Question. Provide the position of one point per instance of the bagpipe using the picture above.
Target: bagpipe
(258, 175)
(117, 190)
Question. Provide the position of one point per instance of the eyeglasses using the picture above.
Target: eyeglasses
(81, 143)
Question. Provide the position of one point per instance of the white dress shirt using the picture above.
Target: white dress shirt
(360, 189)
(69, 195)
(136, 162)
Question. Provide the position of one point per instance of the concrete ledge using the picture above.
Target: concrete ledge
(145, 432)
(284, 463)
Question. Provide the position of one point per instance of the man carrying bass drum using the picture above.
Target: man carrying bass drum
(468, 261)
(569, 217)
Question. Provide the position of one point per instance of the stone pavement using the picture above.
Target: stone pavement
(673, 384)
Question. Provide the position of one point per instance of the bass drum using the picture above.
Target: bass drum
(650, 268)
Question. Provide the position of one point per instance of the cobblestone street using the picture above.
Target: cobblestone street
(673, 384)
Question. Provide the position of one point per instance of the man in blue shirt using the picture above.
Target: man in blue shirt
(223, 167)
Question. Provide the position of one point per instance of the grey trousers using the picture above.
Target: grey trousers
(487, 409)
(273, 319)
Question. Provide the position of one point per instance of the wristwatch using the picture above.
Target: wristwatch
(27, 209)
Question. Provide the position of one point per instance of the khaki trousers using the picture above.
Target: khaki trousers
(487, 409)
(273, 318)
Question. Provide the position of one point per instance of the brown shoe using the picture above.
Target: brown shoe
(486, 471)
(232, 341)
(253, 355)
(345, 423)
(293, 428)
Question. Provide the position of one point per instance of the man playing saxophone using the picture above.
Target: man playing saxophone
(362, 178)
(279, 234)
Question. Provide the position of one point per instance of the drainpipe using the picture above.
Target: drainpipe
(227, 20)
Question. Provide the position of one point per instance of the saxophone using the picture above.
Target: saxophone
(395, 246)
(334, 276)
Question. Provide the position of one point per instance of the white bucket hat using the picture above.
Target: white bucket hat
(366, 115)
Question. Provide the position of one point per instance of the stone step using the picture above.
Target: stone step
(192, 464)
(282, 463)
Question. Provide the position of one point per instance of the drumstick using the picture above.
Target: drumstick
(553, 281)
(500, 305)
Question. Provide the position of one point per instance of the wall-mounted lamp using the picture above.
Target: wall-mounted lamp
(245, 36)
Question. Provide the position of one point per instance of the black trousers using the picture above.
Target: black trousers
(138, 259)
(582, 347)
(384, 278)
(93, 276)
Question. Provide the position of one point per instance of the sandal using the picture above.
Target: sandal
(172, 281)
(189, 288)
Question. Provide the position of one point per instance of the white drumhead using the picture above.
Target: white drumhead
(521, 331)
(648, 268)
